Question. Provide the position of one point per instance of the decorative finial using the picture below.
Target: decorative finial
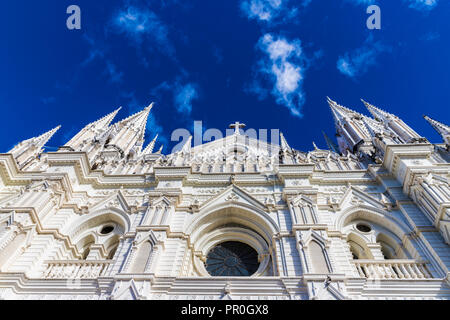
(315, 147)
(236, 126)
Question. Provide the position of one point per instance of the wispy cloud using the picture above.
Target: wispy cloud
(284, 62)
(358, 61)
(139, 24)
(115, 76)
(269, 10)
(362, 2)
(422, 4)
(261, 9)
(97, 51)
(183, 94)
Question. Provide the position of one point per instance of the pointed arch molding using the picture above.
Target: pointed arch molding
(377, 215)
(312, 235)
(102, 215)
(355, 196)
(305, 244)
(235, 197)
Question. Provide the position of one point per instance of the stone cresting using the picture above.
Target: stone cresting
(106, 218)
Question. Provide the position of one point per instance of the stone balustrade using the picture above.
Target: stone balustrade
(75, 269)
(392, 269)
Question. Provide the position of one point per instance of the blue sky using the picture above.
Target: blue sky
(267, 63)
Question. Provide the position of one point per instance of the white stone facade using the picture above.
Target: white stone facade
(105, 218)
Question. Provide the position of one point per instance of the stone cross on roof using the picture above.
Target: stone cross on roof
(237, 125)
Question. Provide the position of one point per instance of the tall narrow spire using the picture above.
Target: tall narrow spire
(91, 131)
(138, 119)
(129, 133)
(377, 113)
(441, 128)
(401, 130)
(31, 148)
(350, 128)
(284, 144)
(106, 120)
(150, 146)
(331, 145)
(340, 112)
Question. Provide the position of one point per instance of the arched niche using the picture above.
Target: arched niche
(102, 229)
(253, 218)
(228, 224)
(141, 258)
(383, 233)
(318, 258)
(391, 247)
(374, 215)
(358, 246)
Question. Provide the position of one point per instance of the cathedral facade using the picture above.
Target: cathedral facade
(104, 217)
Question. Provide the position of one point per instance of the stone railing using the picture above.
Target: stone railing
(75, 269)
(392, 269)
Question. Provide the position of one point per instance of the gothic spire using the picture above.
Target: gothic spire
(441, 128)
(341, 112)
(90, 131)
(401, 130)
(31, 148)
(138, 119)
(377, 113)
(150, 146)
(129, 133)
(350, 130)
(106, 120)
(284, 145)
(372, 126)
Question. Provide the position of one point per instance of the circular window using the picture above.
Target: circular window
(107, 229)
(363, 227)
(232, 259)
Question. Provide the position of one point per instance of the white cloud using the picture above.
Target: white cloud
(362, 2)
(269, 10)
(140, 24)
(422, 4)
(184, 94)
(414, 4)
(357, 62)
(285, 64)
(261, 9)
